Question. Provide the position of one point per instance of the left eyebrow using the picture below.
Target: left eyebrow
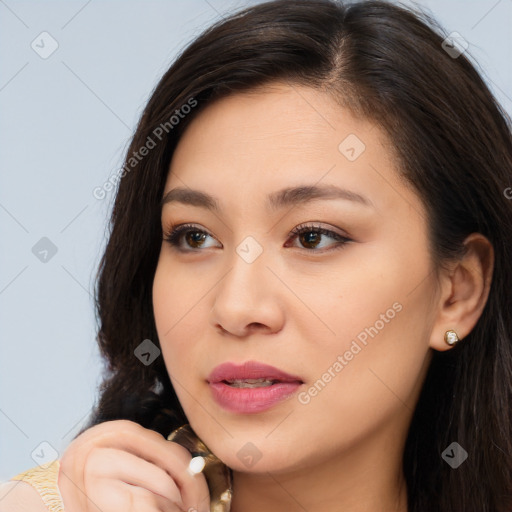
(286, 197)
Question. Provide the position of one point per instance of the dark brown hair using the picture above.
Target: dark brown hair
(454, 147)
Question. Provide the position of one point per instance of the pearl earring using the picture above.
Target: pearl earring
(451, 337)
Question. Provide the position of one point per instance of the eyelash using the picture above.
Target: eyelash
(174, 234)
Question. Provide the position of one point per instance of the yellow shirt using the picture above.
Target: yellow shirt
(44, 479)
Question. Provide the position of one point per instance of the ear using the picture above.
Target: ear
(464, 291)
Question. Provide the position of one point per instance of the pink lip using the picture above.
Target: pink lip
(251, 400)
(249, 370)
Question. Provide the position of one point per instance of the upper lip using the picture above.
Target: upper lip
(249, 370)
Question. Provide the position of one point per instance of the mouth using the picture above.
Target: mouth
(250, 374)
(251, 387)
(250, 383)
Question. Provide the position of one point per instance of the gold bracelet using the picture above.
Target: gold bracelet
(45, 480)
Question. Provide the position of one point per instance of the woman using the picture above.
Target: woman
(309, 266)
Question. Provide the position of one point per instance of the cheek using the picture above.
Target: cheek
(364, 381)
(177, 297)
(361, 296)
(180, 306)
(377, 320)
(169, 307)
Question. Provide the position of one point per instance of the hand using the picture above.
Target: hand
(120, 466)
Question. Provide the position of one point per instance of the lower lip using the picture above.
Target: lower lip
(251, 400)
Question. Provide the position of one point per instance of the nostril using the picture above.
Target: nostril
(256, 325)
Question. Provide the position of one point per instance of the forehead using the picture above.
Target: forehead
(267, 128)
(284, 135)
(275, 118)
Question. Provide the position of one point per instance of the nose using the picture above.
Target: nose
(247, 299)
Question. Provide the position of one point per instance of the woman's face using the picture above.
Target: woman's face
(346, 313)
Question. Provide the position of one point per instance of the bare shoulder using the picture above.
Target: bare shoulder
(18, 496)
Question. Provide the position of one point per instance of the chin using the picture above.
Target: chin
(257, 456)
(257, 467)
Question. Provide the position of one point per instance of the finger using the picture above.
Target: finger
(71, 485)
(144, 501)
(124, 466)
(151, 446)
(115, 496)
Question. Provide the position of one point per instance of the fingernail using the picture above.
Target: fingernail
(196, 465)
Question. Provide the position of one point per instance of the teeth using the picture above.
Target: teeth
(250, 383)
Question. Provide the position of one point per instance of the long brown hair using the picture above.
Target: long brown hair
(453, 145)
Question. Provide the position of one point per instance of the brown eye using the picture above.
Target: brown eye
(193, 237)
(310, 237)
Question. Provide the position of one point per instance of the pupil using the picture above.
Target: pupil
(310, 237)
(194, 237)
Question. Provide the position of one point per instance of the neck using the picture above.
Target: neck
(367, 479)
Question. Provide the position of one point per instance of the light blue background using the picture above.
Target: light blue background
(64, 124)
